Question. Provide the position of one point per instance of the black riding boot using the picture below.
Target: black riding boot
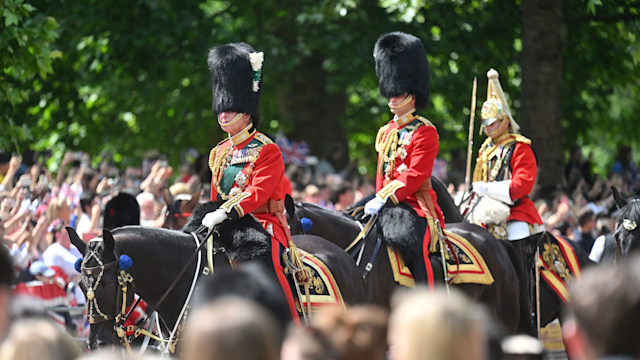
(526, 252)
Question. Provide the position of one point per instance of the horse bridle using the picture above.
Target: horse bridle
(96, 315)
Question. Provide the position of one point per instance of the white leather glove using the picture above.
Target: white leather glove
(480, 188)
(214, 218)
(373, 206)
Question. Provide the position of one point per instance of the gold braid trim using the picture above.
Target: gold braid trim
(389, 190)
(234, 203)
(489, 151)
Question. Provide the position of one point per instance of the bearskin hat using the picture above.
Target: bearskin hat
(236, 79)
(402, 67)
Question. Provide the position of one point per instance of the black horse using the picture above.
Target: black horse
(147, 261)
(500, 257)
(501, 297)
(550, 303)
(627, 233)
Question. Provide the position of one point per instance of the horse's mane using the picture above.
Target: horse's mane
(311, 207)
(244, 239)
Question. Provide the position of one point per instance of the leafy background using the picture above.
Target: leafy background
(128, 76)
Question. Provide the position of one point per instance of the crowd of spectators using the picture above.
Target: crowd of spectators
(90, 195)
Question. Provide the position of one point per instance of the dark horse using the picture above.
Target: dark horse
(501, 297)
(148, 260)
(627, 233)
(499, 255)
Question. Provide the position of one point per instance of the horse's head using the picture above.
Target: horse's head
(627, 233)
(107, 287)
(295, 214)
(179, 209)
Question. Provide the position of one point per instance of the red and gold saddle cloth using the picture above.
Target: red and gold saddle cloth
(469, 269)
(323, 289)
(558, 265)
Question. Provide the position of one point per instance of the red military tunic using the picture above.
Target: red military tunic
(247, 175)
(407, 147)
(522, 170)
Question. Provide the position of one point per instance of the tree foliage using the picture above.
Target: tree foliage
(125, 77)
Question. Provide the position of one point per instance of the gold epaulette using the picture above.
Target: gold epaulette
(521, 139)
(425, 121)
(264, 139)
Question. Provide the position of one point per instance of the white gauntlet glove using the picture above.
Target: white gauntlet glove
(497, 190)
(214, 218)
(373, 206)
(480, 188)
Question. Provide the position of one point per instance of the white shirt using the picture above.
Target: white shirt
(57, 255)
(597, 249)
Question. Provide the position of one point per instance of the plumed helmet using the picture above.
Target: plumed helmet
(496, 107)
(236, 79)
(402, 67)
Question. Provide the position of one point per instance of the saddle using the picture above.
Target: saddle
(401, 230)
(558, 265)
(323, 289)
(465, 265)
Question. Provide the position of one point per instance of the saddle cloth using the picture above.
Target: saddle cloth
(323, 289)
(470, 268)
(558, 265)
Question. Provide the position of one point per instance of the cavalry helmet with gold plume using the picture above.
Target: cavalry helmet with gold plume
(496, 107)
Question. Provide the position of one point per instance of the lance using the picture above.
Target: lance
(467, 175)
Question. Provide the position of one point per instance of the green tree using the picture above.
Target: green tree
(26, 38)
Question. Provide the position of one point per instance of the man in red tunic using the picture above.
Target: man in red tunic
(247, 167)
(506, 171)
(408, 144)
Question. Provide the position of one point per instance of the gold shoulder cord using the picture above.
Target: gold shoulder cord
(386, 147)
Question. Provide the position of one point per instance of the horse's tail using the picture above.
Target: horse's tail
(523, 323)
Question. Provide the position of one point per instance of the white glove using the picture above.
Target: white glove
(497, 190)
(214, 218)
(480, 188)
(373, 206)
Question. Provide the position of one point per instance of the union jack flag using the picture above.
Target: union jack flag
(293, 152)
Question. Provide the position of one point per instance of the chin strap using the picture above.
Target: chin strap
(404, 102)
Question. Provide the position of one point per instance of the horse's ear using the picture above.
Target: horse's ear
(75, 240)
(620, 201)
(109, 242)
(289, 205)
(167, 196)
(195, 199)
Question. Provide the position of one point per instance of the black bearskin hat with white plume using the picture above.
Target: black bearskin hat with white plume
(236, 79)
(402, 67)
